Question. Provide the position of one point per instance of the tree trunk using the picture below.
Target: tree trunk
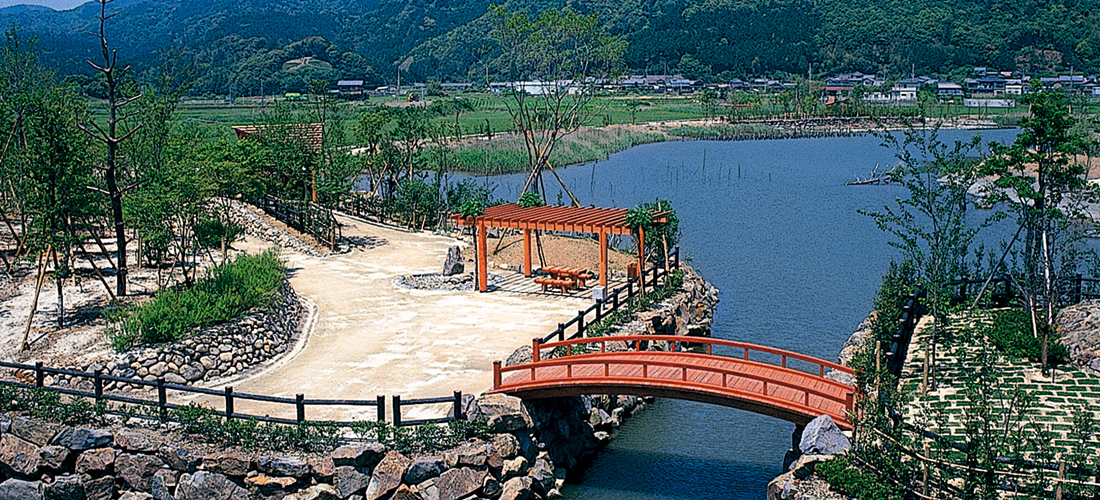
(24, 345)
(59, 277)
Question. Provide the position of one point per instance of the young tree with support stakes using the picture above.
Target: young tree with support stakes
(116, 101)
(1044, 184)
(564, 55)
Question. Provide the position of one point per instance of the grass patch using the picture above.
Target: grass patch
(509, 155)
(225, 292)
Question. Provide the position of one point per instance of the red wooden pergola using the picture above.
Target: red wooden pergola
(601, 221)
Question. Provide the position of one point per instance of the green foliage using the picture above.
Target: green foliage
(472, 207)
(530, 199)
(49, 405)
(1011, 332)
(228, 290)
(852, 481)
(210, 233)
(897, 284)
(207, 425)
(659, 237)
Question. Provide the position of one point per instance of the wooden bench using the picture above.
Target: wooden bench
(564, 284)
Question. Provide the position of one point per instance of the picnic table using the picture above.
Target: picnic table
(564, 278)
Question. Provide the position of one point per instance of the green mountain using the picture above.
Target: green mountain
(241, 44)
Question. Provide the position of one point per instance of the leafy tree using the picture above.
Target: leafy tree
(565, 54)
(1041, 179)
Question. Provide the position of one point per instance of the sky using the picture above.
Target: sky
(55, 4)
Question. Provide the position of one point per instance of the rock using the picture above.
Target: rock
(34, 432)
(505, 445)
(503, 413)
(359, 455)
(230, 464)
(315, 492)
(517, 488)
(192, 372)
(780, 487)
(81, 439)
(823, 437)
(404, 492)
(599, 419)
(804, 466)
(518, 357)
(348, 481)
(135, 495)
(133, 441)
(428, 490)
(453, 264)
(173, 378)
(64, 488)
(96, 462)
(164, 481)
(20, 456)
(424, 469)
(458, 483)
(137, 470)
(203, 485)
(467, 455)
(542, 477)
(554, 494)
(283, 466)
(15, 489)
(323, 469)
(180, 459)
(387, 475)
(515, 467)
(490, 488)
(53, 457)
(158, 369)
(99, 489)
(272, 486)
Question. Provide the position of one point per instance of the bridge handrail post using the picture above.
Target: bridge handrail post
(536, 346)
(849, 401)
(496, 373)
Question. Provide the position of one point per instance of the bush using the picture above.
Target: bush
(1011, 333)
(855, 483)
(226, 291)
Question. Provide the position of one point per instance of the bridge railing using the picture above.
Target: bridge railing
(649, 277)
(539, 345)
(227, 396)
(767, 388)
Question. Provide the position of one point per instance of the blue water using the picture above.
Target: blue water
(772, 225)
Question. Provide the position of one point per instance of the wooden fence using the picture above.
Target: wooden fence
(227, 395)
(649, 277)
(306, 217)
(1001, 292)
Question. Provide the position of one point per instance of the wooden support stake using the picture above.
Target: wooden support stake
(24, 345)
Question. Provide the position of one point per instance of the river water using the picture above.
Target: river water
(772, 225)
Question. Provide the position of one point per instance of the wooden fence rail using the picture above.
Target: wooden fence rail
(306, 217)
(227, 395)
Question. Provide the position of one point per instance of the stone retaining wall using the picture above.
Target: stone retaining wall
(217, 352)
(256, 226)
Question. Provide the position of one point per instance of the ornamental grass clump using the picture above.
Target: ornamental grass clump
(227, 290)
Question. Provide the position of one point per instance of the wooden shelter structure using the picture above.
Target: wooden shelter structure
(601, 221)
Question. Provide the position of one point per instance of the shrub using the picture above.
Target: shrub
(855, 483)
(226, 291)
(1011, 333)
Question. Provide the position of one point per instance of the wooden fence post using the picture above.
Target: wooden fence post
(458, 406)
(228, 402)
(580, 323)
(39, 375)
(300, 407)
(97, 384)
(380, 402)
(561, 332)
(162, 398)
(396, 410)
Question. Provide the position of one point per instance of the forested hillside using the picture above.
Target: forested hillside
(242, 44)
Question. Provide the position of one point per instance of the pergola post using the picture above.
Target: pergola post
(603, 260)
(482, 258)
(641, 259)
(527, 252)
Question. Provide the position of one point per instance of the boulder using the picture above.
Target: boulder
(135, 495)
(174, 378)
(387, 476)
(80, 439)
(518, 357)
(453, 264)
(404, 492)
(542, 477)
(322, 469)
(99, 489)
(513, 468)
(359, 455)
(554, 494)
(458, 483)
(192, 372)
(20, 456)
(490, 488)
(348, 481)
(34, 432)
(270, 486)
(203, 485)
(164, 481)
(780, 488)
(96, 462)
(423, 469)
(283, 466)
(804, 466)
(503, 413)
(230, 463)
(53, 457)
(180, 459)
(15, 489)
(823, 437)
(64, 488)
(467, 455)
(505, 446)
(315, 492)
(428, 489)
(133, 441)
(137, 470)
(517, 488)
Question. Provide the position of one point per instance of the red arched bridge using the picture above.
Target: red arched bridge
(689, 369)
